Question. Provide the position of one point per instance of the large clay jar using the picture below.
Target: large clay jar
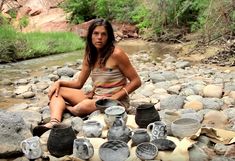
(146, 114)
(60, 140)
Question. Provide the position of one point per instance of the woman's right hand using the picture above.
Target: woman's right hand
(54, 89)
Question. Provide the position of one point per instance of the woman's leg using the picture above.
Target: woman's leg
(85, 107)
(57, 104)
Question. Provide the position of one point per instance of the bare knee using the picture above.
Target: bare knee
(85, 107)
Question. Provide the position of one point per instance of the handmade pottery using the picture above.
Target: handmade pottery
(157, 130)
(164, 144)
(140, 136)
(82, 148)
(146, 114)
(114, 150)
(119, 131)
(92, 128)
(168, 118)
(31, 147)
(146, 151)
(185, 127)
(60, 140)
(112, 112)
(102, 104)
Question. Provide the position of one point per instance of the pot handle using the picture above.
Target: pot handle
(149, 127)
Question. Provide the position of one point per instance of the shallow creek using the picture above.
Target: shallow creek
(34, 67)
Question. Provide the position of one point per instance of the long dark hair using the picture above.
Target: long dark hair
(91, 51)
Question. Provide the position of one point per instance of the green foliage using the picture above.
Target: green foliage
(24, 21)
(80, 10)
(13, 12)
(41, 44)
(110, 9)
(141, 16)
(3, 20)
(233, 21)
(7, 44)
(15, 45)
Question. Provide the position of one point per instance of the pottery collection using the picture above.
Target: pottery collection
(60, 140)
(92, 128)
(146, 114)
(31, 147)
(82, 148)
(149, 137)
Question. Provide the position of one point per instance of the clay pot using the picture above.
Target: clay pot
(31, 147)
(119, 131)
(111, 113)
(92, 128)
(83, 149)
(60, 140)
(140, 136)
(157, 130)
(146, 114)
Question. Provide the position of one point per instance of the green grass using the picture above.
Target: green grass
(17, 46)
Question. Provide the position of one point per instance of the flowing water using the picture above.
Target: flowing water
(35, 67)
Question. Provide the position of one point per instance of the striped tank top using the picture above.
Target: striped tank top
(107, 81)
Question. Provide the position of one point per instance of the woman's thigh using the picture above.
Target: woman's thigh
(71, 95)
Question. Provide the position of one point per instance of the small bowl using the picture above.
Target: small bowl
(164, 144)
(185, 127)
(102, 104)
(146, 151)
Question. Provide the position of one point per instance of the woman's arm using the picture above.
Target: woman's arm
(80, 80)
(125, 66)
(76, 83)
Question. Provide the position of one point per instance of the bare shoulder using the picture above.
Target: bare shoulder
(119, 54)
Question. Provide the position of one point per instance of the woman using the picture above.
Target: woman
(112, 74)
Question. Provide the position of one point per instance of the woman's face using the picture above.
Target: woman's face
(99, 37)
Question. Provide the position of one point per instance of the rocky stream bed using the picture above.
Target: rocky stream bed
(199, 91)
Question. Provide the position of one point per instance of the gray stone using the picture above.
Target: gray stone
(197, 154)
(212, 103)
(172, 102)
(13, 130)
(220, 149)
(66, 71)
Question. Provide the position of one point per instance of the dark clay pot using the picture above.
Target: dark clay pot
(60, 141)
(139, 136)
(146, 114)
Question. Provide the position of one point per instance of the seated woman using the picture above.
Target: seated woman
(112, 74)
